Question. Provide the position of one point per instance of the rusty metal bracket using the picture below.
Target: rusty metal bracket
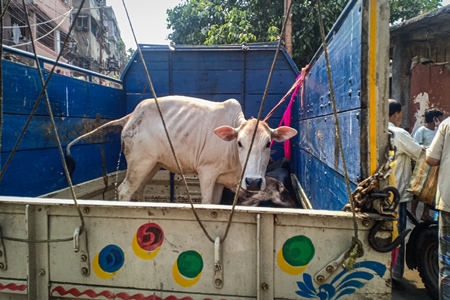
(330, 268)
(80, 247)
(3, 264)
(218, 266)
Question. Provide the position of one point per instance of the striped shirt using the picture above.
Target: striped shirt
(407, 149)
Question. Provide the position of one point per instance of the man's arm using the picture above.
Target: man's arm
(432, 161)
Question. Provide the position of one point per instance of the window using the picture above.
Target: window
(19, 33)
(82, 23)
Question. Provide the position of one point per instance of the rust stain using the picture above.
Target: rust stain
(433, 82)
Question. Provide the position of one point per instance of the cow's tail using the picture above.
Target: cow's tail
(70, 162)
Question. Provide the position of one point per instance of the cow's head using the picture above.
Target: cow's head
(259, 157)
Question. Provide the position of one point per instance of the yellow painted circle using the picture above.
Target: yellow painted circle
(141, 253)
(181, 280)
(287, 268)
(99, 272)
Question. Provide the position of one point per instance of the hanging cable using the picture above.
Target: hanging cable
(34, 109)
(43, 36)
(261, 107)
(43, 23)
(356, 243)
(180, 170)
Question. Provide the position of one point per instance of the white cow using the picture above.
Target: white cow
(201, 132)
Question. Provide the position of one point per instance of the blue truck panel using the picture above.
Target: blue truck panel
(39, 171)
(78, 106)
(214, 73)
(319, 165)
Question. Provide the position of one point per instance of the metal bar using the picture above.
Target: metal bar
(38, 259)
(172, 187)
(43, 60)
(258, 256)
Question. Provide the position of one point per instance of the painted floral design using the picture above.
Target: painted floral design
(345, 283)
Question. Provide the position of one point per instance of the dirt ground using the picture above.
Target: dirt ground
(414, 288)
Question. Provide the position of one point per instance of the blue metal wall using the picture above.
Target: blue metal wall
(214, 73)
(318, 163)
(78, 107)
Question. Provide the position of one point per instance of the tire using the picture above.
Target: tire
(427, 260)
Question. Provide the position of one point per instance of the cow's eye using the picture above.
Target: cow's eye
(268, 145)
(239, 144)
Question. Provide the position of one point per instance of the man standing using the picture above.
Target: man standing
(407, 149)
(424, 136)
(439, 155)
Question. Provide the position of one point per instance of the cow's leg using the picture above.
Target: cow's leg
(139, 194)
(207, 182)
(137, 174)
(217, 193)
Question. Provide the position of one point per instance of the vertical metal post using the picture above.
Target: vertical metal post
(38, 258)
(265, 256)
(258, 256)
(172, 187)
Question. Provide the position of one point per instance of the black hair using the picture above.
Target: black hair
(394, 107)
(432, 113)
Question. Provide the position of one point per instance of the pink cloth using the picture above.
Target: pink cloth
(286, 119)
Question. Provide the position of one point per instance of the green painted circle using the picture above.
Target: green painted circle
(298, 251)
(190, 264)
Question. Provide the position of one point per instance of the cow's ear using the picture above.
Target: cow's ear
(226, 133)
(283, 133)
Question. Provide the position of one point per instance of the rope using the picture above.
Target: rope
(338, 131)
(261, 107)
(170, 142)
(296, 84)
(44, 92)
(164, 125)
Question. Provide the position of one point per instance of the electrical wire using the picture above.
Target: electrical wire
(45, 35)
(42, 23)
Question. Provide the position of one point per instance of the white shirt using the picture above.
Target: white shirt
(407, 149)
(424, 136)
(440, 149)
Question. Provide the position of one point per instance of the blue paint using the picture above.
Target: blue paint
(111, 258)
(318, 162)
(36, 168)
(345, 283)
(215, 73)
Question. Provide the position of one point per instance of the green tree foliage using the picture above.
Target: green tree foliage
(402, 10)
(130, 52)
(211, 22)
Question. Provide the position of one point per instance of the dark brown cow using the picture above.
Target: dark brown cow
(274, 195)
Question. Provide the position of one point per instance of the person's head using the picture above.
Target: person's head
(433, 115)
(395, 112)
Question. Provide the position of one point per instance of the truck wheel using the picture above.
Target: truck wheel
(427, 260)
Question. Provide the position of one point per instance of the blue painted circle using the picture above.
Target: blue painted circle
(111, 258)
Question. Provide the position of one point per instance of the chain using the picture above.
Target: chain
(366, 191)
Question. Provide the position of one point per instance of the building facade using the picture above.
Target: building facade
(93, 44)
